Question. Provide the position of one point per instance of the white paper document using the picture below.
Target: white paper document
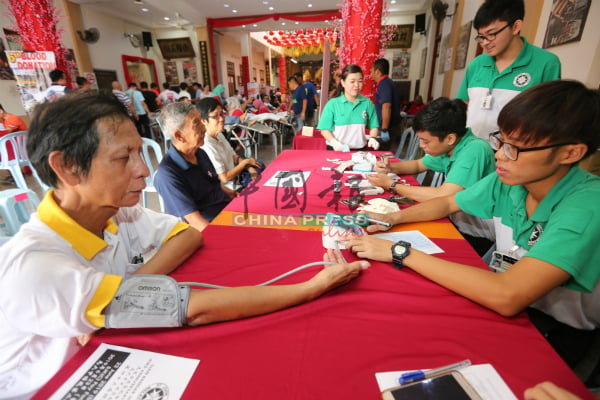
(415, 238)
(483, 378)
(296, 179)
(115, 372)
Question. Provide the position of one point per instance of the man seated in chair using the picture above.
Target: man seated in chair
(452, 149)
(70, 270)
(186, 178)
(228, 165)
(545, 214)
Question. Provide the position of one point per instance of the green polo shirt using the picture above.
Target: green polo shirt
(564, 229)
(532, 66)
(349, 122)
(471, 160)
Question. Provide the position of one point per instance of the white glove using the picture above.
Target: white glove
(337, 146)
(373, 143)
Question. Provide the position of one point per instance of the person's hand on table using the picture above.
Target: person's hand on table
(251, 162)
(380, 217)
(338, 146)
(383, 167)
(381, 180)
(371, 247)
(548, 391)
(333, 276)
(373, 143)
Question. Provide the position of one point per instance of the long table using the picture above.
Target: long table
(331, 348)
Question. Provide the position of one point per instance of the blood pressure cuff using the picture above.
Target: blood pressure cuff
(148, 301)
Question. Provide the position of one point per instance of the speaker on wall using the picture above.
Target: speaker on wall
(420, 23)
(147, 39)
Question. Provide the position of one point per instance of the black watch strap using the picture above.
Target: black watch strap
(400, 250)
(392, 188)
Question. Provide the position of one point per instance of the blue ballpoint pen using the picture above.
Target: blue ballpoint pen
(414, 376)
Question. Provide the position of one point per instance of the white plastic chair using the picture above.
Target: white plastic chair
(149, 146)
(436, 180)
(16, 205)
(17, 141)
(410, 140)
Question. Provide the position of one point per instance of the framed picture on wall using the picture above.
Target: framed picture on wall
(5, 70)
(13, 39)
(401, 65)
(402, 38)
(566, 22)
(462, 46)
(171, 76)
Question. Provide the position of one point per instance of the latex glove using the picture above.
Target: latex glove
(385, 136)
(373, 143)
(403, 114)
(337, 146)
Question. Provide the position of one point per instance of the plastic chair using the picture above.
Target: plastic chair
(243, 138)
(148, 146)
(13, 156)
(436, 180)
(410, 140)
(16, 205)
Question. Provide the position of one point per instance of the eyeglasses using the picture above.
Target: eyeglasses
(491, 36)
(216, 116)
(511, 151)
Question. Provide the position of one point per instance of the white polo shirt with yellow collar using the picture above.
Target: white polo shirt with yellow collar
(56, 278)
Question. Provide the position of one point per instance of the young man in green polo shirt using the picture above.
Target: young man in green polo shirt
(509, 65)
(452, 149)
(545, 211)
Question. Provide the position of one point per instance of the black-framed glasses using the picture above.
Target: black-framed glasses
(216, 116)
(511, 151)
(491, 36)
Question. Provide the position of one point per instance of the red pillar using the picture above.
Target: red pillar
(360, 36)
(282, 75)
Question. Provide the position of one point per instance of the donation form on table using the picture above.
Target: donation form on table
(115, 372)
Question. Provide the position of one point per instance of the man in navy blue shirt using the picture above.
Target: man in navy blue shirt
(299, 101)
(186, 178)
(312, 98)
(387, 101)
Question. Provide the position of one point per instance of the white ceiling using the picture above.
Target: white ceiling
(183, 13)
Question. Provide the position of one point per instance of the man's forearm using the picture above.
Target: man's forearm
(174, 252)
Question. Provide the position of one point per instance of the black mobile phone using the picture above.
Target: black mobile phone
(451, 386)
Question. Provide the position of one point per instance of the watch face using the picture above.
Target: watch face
(399, 250)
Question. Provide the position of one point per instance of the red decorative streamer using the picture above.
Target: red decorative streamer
(36, 23)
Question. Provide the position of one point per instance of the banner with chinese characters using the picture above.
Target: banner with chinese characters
(31, 69)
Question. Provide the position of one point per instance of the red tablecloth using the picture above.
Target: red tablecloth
(314, 142)
(330, 348)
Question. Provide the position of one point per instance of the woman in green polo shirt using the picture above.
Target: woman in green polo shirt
(347, 118)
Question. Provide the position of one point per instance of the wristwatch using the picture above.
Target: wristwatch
(392, 188)
(400, 250)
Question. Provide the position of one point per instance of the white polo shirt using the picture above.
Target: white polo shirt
(50, 276)
(221, 155)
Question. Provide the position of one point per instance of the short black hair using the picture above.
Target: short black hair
(183, 85)
(70, 125)
(166, 85)
(499, 10)
(56, 75)
(2, 108)
(382, 65)
(143, 85)
(206, 106)
(293, 79)
(561, 111)
(80, 80)
(441, 117)
(133, 84)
